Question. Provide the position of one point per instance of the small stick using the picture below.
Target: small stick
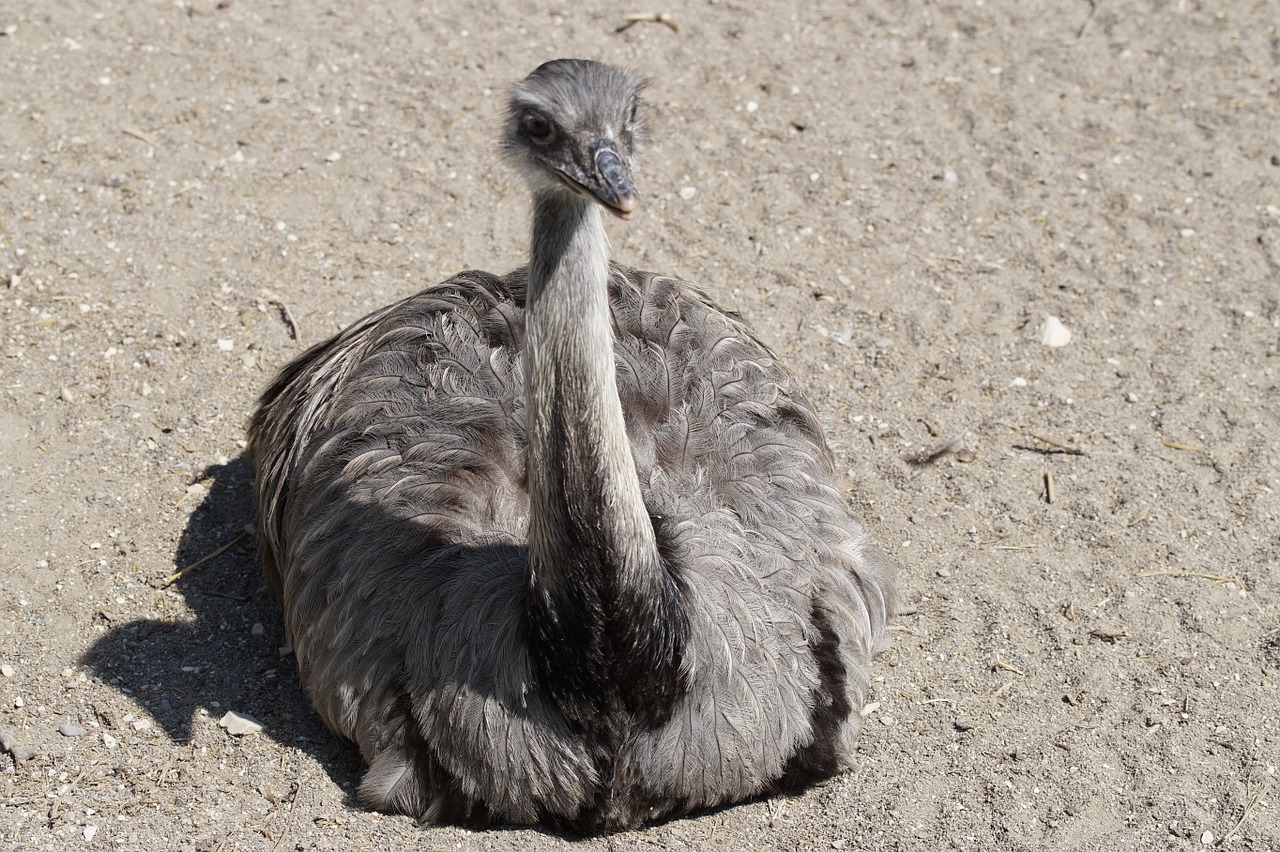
(1214, 577)
(295, 793)
(649, 18)
(1050, 494)
(1093, 10)
(937, 451)
(1057, 443)
(227, 595)
(1142, 516)
(1001, 664)
(173, 578)
(287, 316)
(1177, 445)
(1249, 805)
(139, 135)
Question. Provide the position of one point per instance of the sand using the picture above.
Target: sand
(897, 194)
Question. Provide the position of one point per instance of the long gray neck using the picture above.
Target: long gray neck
(596, 580)
(583, 491)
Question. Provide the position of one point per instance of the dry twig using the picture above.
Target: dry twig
(1001, 664)
(174, 577)
(1093, 10)
(649, 18)
(1214, 577)
(139, 135)
(1057, 443)
(287, 316)
(1250, 802)
(937, 451)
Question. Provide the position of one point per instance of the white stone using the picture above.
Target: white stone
(1054, 333)
(239, 724)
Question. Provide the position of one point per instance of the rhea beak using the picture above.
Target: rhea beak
(612, 179)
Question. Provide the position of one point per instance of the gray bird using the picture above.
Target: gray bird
(564, 546)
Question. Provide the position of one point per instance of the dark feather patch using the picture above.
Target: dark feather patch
(821, 758)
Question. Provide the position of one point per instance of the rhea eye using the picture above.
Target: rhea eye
(635, 108)
(538, 128)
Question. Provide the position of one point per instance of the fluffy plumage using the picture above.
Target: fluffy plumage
(677, 622)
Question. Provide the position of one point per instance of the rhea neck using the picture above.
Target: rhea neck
(585, 500)
(602, 605)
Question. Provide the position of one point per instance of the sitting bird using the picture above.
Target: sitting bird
(564, 546)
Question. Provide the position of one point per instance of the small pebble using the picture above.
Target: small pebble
(109, 741)
(238, 724)
(1054, 333)
(688, 192)
(963, 723)
(1207, 838)
(226, 345)
(89, 832)
(69, 730)
(257, 629)
(6, 670)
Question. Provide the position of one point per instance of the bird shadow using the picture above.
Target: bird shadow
(230, 653)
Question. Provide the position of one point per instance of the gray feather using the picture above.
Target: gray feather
(393, 467)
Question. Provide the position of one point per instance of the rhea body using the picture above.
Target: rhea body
(564, 545)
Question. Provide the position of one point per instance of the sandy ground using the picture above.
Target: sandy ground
(897, 194)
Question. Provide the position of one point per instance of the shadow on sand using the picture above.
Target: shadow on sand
(230, 656)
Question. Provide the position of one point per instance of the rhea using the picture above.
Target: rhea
(565, 546)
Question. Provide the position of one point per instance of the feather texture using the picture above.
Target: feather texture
(565, 546)
(391, 469)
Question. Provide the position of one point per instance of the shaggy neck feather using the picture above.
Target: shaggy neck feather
(584, 495)
(608, 628)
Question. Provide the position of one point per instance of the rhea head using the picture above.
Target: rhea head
(573, 127)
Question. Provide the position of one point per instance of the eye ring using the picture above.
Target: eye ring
(539, 128)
